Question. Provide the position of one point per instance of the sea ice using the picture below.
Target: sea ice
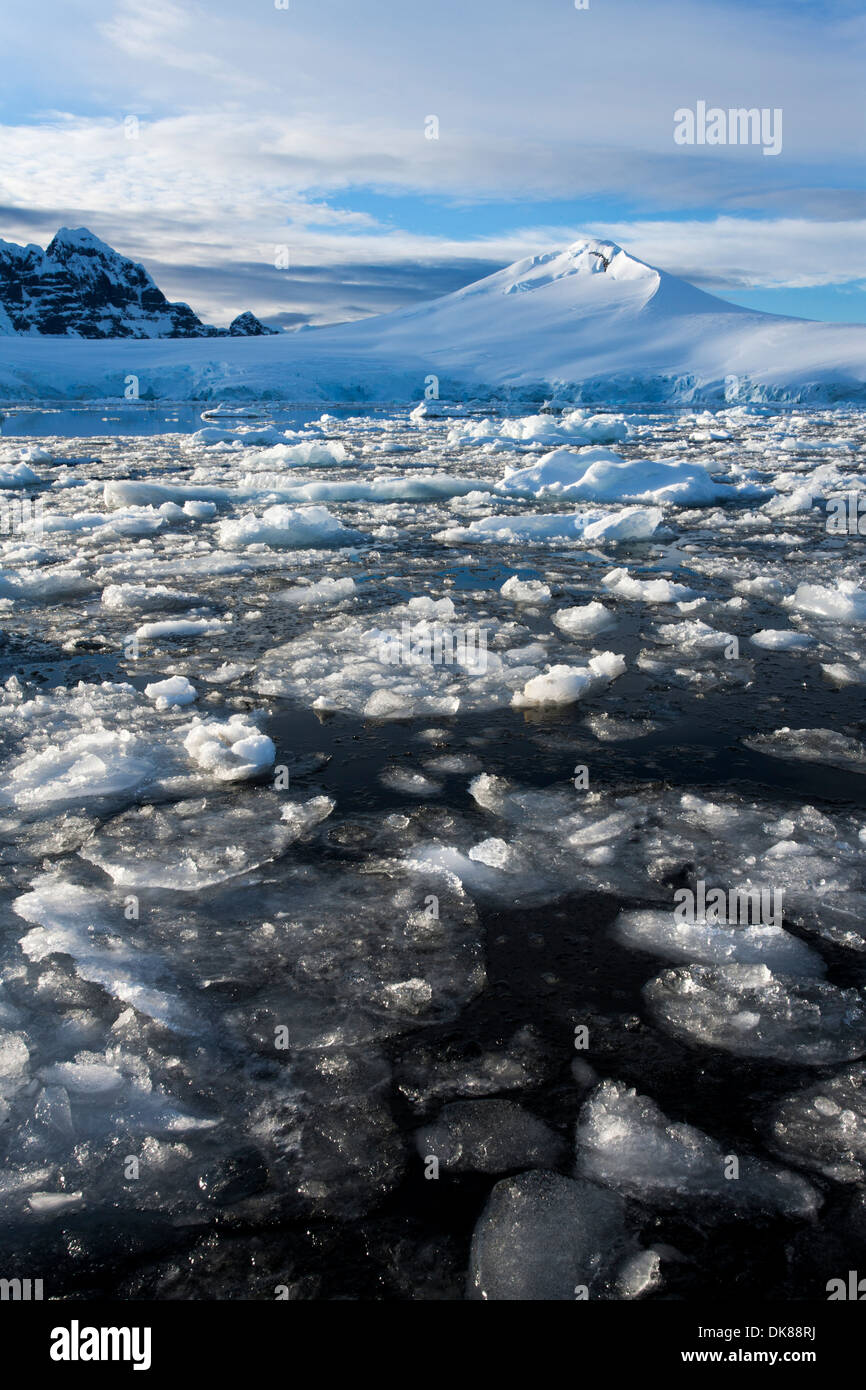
(489, 1136)
(625, 1141)
(544, 1237)
(705, 943)
(287, 528)
(230, 751)
(171, 693)
(190, 845)
(749, 1011)
(824, 1127)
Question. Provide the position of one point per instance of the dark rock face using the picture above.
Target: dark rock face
(80, 288)
(248, 326)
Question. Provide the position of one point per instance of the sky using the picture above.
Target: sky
(276, 155)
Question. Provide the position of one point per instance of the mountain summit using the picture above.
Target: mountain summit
(588, 323)
(79, 287)
(595, 316)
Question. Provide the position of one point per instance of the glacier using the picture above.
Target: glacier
(588, 324)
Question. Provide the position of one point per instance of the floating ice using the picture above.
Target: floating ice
(230, 751)
(287, 528)
(145, 598)
(585, 620)
(781, 640)
(171, 692)
(489, 1136)
(415, 659)
(193, 844)
(824, 1127)
(629, 524)
(825, 746)
(749, 1011)
(107, 741)
(178, 627)
(321, 593)
(846, 603)
(562, 685)
(91, 930)
(525, 590)
(544, 1237)
(597, 475)
(625, 1141)
(623, 584)
(706, 943)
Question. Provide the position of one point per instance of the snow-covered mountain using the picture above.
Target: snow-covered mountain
(81, 288)
(589, 323)
(595, 316)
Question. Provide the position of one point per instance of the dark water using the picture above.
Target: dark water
(547, 967)
(142, 419)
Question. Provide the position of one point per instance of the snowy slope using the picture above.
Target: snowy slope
(591, 321)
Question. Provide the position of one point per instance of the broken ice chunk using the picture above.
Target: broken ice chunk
(174, 691)
(713, 943)
(489, 1136)
(824, 1126)
(562, 685)
(231, 751)
(193, 844)
(625, 1141)
(544, 1237)
(747, 1010)
(525, 590)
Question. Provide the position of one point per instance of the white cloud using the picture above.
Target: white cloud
(251, 117)
(733, 253)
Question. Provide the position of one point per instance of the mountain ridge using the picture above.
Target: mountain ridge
(80, 287)
(591, 323)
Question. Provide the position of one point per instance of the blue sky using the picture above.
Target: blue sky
(305, 128)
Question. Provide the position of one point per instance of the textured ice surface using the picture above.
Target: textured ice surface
(584, 619)
(189, 845)
(489, 1136)
(823, 1127)
(599, 475)
(362, 956)
(749, 1011)
(90, 930)
(575, 528)
(322, 593)
(525, 590)
(108, 741)
(625, 1141)
(265, 994)
(625, 585)
(562, 685)
(825, 746)
(230, 751)
(172, 692)
(286, 527)
(846, 602)
(707, 943)
(542, 1236)
(427, 1076)
(422, 658)
(781, 640)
